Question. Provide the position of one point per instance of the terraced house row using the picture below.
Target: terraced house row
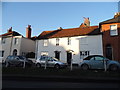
(66, 44)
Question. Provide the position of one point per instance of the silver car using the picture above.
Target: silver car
(50, 62)
(17, 61)
(99, 62)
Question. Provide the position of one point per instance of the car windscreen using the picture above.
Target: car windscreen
(87, 58)
(21, 57)
(55, 59)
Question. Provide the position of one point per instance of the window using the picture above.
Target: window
(99, 58)
(69, 41)
(1, 53)
(113, 30)
(3, 41)
(57, 41)
(45, 42)
(57, 54)
(83, 54)
(44, 53)
(16, 41)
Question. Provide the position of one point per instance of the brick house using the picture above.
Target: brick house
(111, 37)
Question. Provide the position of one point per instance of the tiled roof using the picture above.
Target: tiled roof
(90, 30)
(113, 20)
(12, 33)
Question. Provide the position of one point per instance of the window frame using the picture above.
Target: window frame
(2, 53)
(69, 41)
(113, 29)
(57, 41)
(45, 42)
(15, 41)
(3, 40)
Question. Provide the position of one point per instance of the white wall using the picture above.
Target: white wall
(27, 45)
(78, 43)
(23, 45)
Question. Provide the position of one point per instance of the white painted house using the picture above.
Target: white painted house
(70, 44)
(13, 43)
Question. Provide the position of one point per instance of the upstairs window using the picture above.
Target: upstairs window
(57, 41)
(45, 42)
(69, 41)
(113, 30)
(3, 41)
(16, 41)
(1, 53)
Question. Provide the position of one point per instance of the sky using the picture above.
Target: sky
(45, 16)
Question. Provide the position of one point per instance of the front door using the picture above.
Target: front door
(69, 57)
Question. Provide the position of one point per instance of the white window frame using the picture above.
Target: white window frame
(113, 30)
(44, 53)
(69, 41)
(45, 42)
(57, 41)
(2, 53)
(3, 40)
(16, 41)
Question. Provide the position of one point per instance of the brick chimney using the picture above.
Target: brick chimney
(86, 21)
(28, 31)
(9, 30)
(117, 14)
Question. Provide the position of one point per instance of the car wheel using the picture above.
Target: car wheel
(38, 65)
(84, 67)
(57, 66)
(113, 67)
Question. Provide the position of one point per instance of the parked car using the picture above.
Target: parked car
(50, 62)
(17, 61)
(99, 62)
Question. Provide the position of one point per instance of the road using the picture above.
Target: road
(48, 84)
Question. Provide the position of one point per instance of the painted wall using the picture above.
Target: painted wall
(93, 44)
(23, 45)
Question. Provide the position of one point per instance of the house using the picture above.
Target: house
(70, 44)
(111, 37)
(13, 43)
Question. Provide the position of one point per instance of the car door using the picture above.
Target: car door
(50, 62)
(43, 60)
(97, 62)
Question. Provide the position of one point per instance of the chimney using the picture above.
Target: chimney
(86, 21)
(9, 30)
(117, 14)
(28, 31)
(59, 28)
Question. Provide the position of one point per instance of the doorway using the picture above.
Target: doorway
(69, 57)
(109, 52)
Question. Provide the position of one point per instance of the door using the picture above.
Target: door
(69, 57)
(109, 52)
(97, 62)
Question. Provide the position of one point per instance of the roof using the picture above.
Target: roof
(113, 20)
(90, 30)
(12, 33)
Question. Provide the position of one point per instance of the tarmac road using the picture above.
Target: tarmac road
(58, 82)
(36, 84)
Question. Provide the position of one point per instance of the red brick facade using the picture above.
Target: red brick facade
(114, 41)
